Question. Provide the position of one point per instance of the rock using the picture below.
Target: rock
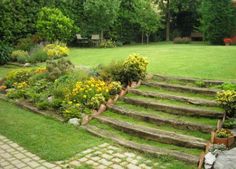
(209, 160)
(27, 65)
(226, 160)
(74, 121)
(50, 98)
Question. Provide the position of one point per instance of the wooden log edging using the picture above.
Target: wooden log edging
(190, 100)
(156, 134)
(175, 87)
(159, 121)
(174, 109)
(191, 159)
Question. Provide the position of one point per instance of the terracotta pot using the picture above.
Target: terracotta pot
(226, 141)
(101, 109)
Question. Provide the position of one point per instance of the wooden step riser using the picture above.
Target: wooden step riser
(181, 88)
(161, 121)
(153, 136)
(173, 110)
(141, 147)
(175, 98)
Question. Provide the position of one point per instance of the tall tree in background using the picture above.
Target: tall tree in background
(218, 20)
(101, 14)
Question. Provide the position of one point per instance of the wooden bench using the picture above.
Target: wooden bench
(196, 36)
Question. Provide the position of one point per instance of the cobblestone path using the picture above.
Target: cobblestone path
(104, 156)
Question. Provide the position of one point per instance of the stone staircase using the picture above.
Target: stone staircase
(164, 116)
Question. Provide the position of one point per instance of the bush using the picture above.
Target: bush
(184, 40)
(228, 86)
(134, 69)
(52, 25)
(17, 55)
(56, 50)
(107, 44)
(227, 100)
(223, 133)
(38, 54)
(230, 123)
(25, 44)
(5, 51)
(58, 68)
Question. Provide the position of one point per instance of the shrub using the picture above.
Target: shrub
(52, 25)
(107, 44)
(114, 88)
(56, 50)
(25, 44)
(134, 69)
(223, 133)
(38, 54)
(230, 123)
(227, 100)
(17, 55)
(5, 51)
(228, 86)
(184, 40)
(58, 68)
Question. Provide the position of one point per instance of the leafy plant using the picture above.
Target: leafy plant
(107, 44)
(180, 40)
(230, 123)
(52, 25)
(228, 86)
(200, 83)
(18, 55)
(223, 133)
(38, 55)
(114, 88)
(56, 50)
(217, 147)
(5, 51)
(25, 44)
(227, 100)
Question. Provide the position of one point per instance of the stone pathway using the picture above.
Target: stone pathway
(104, 156)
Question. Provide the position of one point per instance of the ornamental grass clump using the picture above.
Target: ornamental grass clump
(227, 100)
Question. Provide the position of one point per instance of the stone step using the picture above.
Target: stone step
(176, 87)
(172, 109)
(155, 134)
(208, 82)
(195, 101)
(192, 159)
(160, 121)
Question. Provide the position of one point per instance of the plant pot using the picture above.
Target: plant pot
(226, 141)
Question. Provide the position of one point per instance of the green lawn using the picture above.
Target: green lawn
(193, 60)
(49, 139)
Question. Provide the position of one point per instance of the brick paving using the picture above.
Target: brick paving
(104, 156)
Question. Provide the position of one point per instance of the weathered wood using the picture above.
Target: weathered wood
(160, 121)
(175, 87)
(190, 80)
(174, 109)
(190, 100)
(142, 147)
(156, 134)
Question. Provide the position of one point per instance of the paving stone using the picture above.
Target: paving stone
(105, 162)
(101, 167)
(49, 165)
(41, 167)
(129, 154)
(75, 163)
(119, 155)
(132, 166)
(87, 151)
(33, 164)
(116, 166)
(107, 156)
(144, 166)
(104, 145)
(95, 158)
(116, 160)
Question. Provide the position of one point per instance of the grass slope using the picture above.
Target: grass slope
(49, 139)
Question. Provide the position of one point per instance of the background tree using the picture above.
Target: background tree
(217, 20)
(52, 25)
(100, 14)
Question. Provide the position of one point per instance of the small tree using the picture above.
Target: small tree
(101, 14)
(52, 25)
(217, 20)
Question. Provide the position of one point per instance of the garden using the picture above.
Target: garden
(118, 84)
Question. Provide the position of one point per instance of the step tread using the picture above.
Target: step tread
(196, 101)
(142, 147)
(159, 120)
(174, 109)
(162, 135)
(206, 91)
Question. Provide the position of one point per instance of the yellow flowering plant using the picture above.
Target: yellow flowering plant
(227, 100)
(56, 50)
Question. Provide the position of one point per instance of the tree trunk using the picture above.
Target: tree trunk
(168, 20)
(147, 35)
(142, 37)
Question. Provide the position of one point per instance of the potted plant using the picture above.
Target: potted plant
(224, 136)
(227, 41)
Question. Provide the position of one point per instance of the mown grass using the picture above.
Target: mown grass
(196, 120)
(49, 139)
(189, 60)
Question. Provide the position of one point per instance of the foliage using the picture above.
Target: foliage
(230, 123)
(38, 55)
(25, 44)
(107, 44)
(227, 100)
(58, 68)
(228, 86)
(217, 20)
(5, 51)
(114, 88)
(216, 147)
(134, 69)
(16, 55)
(52, 25)
(183, 40)
(56, 50)
(223, 133)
